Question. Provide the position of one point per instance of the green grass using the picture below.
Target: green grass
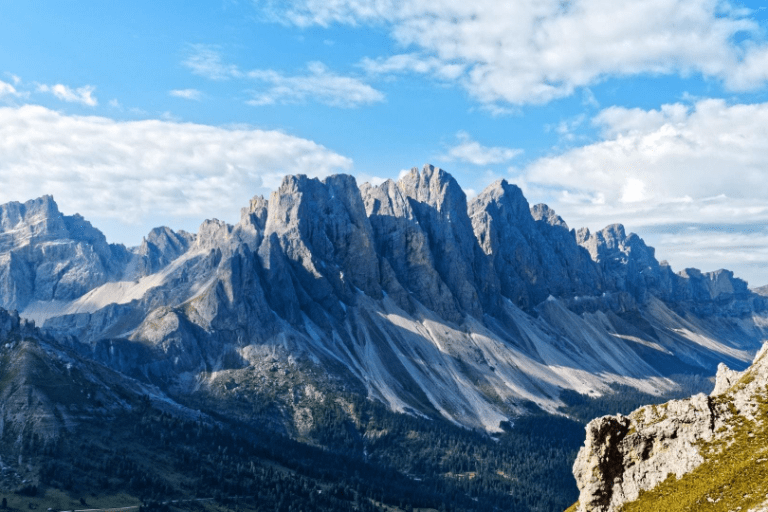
(60, 500)
(734, 473)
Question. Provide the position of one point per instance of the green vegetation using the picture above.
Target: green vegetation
(734, 475)
(373, 460)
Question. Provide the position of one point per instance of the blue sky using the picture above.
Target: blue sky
(653, 114)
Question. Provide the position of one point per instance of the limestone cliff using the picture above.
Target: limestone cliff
(405, 292)
(703, 453)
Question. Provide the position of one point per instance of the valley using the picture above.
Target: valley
(344, 347)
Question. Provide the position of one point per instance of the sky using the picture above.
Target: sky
(652, 114)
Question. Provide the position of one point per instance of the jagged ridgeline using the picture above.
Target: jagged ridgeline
(331, 307)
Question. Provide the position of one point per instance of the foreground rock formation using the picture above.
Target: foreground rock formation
(703, 453)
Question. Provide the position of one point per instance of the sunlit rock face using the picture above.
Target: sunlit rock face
(45, 255)
(681, 453)
(404, 292)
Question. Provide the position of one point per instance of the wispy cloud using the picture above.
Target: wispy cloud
(206, 61)
(7, 89)
(82, 95)
(127, 172)
(187, 94)
(319, 83)
(411, 62)
(472, 152)
(531, 52)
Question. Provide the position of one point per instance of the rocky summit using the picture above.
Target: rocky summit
(404, 293)
(702, 453)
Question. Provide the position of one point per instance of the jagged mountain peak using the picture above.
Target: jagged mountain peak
(402, 289)
(435, 187)
(46, 255)
(255, 213)
(542, 212)
(13, 212)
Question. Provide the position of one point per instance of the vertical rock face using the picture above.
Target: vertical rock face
(404, 248)
(45, 255)
(160, 247)
(440, 206)
(323, 231)
(623, 457)
(253, 220)
(533, 253)
(575, 272)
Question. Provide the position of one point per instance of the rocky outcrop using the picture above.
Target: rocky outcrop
(46, 256)
(160, 247)
(624, 457)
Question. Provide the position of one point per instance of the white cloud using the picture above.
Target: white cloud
(472, 152)
(413, 63)
(187, 94)
(690, 179)
(206, 61)
(319, 84)
(7, 89)
(362, 177)
(83, 95)
(533, 51)
(702, 163)
(155, 171)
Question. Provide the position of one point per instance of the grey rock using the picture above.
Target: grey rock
(623, 456)
(160, 247)
(402, 292)
(404, 248)
(323, 231)
(45, 255)
(440, 206)
(532, 251)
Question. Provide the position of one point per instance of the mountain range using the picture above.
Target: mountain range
(405, 294)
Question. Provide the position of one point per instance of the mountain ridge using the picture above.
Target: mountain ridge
(404, 291)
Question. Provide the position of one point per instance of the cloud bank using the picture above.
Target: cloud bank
(135, 172)
(534, 51)
(691, 179)
(701, 163)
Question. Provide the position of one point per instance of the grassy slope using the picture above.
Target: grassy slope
(734, 475)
